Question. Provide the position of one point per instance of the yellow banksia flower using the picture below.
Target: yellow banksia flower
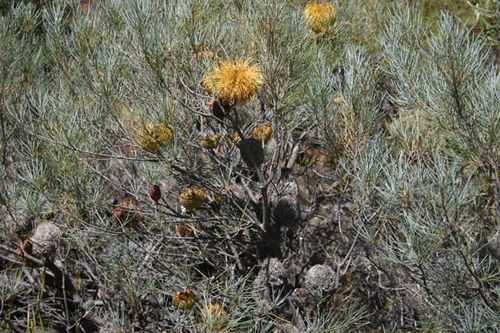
(319, 15)
(233, 81)
(214, 314)
(210, 141)
(192, 198)
(153, 136)
(184, 300)
(262, 132)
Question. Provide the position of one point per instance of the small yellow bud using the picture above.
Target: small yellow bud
(152, 136)
(262, 132)
(192, 198)
(184, 300)
(210, 141)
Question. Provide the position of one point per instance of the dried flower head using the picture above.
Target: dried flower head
(127, 211)
(45, 239)
(184, 299)
(192, 198)
(151, 137)
(210, 141)
(233, 81)
(319, 15)
(203, 51)
(262, 132)
(188, 229)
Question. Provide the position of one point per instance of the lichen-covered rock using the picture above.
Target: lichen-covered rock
(319, 279)
(45, 239)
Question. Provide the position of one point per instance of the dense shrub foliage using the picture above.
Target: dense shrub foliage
(249, 166)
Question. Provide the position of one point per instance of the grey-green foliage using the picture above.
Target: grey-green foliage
(433, 209)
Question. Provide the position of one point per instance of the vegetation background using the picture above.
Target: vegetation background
(249, 166)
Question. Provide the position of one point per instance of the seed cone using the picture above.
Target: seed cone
(251, 152)
(272, 273)
(45, 240)
(319, 279)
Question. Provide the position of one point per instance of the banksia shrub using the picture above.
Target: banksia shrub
(233, 81)
(192, 198)
(319, 15)
(45, 239)
(361, 135)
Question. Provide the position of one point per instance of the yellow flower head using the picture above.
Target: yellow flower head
(192, 198)
(214, 314)
(233, 81)
(210, 141)
(184, 300)
(262, 132)
(152, 136)
(319, 15)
